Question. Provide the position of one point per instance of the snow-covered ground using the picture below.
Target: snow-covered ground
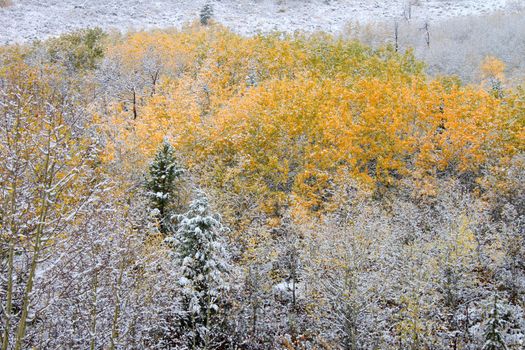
(36, 19)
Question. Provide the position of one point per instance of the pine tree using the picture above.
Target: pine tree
(200, 251)
(496, 88)
(493, 338)
(206, 14)
(160, 186)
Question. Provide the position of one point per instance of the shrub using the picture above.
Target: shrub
(79, 50)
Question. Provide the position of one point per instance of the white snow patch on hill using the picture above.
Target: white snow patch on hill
(27, 20)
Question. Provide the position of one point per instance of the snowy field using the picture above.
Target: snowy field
(27, 20)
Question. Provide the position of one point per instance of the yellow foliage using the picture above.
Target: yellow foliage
(43, 133)
(493, 68)
(278, 121)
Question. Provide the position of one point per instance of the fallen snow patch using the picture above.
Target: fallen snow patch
(28, 20)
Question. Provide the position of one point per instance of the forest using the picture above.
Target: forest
(195, 188)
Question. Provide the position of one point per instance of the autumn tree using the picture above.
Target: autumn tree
(47, 179)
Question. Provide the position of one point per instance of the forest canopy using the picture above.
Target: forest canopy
(199, 189)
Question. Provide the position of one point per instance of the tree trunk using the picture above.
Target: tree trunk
(47, 181)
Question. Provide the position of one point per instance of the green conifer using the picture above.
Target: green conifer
(161, 184)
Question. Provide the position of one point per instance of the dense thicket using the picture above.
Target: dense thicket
(368, 206)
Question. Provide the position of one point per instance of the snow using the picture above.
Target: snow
(28, 20)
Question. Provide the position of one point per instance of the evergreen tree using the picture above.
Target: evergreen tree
(496, 87)
(206, 14)
(200, 251)
(493, 338)
(163, 172)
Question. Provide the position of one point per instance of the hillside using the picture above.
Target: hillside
(200, 188)
(38, 19)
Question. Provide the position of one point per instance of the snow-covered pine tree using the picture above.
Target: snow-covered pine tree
(206, 14)
(160, 185)
(493, 338)
(201, 253)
